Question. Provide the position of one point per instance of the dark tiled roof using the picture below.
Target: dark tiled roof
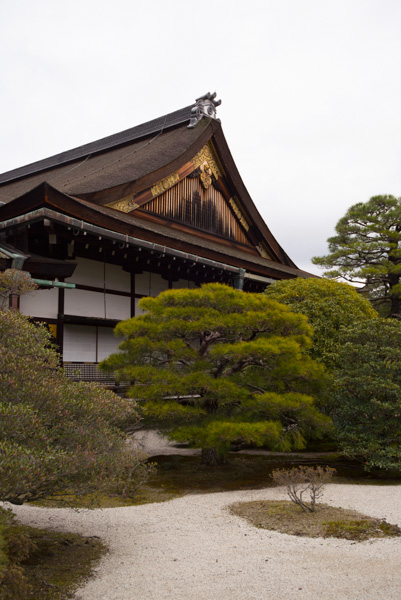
(117, 166)
(129, 135)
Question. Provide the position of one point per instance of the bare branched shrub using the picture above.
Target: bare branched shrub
(304, 481)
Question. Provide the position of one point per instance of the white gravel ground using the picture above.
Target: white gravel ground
(192, 548)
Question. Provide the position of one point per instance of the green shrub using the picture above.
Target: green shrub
(56, 434)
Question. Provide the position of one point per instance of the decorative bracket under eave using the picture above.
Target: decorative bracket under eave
(205, 107)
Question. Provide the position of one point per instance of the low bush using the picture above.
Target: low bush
(304, 480)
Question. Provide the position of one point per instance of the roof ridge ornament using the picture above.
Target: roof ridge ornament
(205, 107)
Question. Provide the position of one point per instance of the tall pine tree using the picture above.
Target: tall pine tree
(367, 249)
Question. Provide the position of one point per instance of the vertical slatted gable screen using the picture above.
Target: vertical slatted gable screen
(189, 203)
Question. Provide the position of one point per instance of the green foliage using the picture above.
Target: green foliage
(54, 433)
(329, 306)
(215, 366)
(367, 249)
(366, 402)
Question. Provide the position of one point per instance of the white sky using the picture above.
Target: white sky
(311, 92)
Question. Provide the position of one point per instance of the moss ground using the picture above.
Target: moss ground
(47, 565)
(179, 475)
(3, 555)
(327, 521)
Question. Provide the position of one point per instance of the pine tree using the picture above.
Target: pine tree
(367, 249)
(215, 366)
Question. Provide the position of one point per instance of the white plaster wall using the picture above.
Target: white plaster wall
(42, 303)
(150, 284)
(93, 304)
(118, 307)
(158, 285)
(79, 343)
(183, 283)
(117, 278)
(142, 283)
(84, 303)
(91, 272)
(107, 342)
(87, 272)
(138, 311)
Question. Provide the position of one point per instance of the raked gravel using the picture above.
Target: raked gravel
(192, 548)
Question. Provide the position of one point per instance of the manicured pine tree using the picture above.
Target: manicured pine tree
(215, 366)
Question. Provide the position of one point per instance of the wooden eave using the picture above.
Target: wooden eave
(46, 196)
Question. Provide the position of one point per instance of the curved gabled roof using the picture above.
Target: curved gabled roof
(112, 141)
(111, 162)
(131, 161)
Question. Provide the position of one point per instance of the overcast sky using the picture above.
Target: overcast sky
(310, 89)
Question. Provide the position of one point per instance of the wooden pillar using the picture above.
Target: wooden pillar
(60, 320)
(132, 294)
(13, 302)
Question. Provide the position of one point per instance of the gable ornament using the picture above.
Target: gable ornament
(206, 175)
(205, 107)
(206, 161)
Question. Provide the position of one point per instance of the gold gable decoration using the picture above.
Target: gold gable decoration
(206, 175)
(165, 184)
(207, 160)
(125, 205)
(238, 214)
(261, 248)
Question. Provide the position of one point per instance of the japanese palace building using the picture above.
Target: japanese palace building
(158, 206)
